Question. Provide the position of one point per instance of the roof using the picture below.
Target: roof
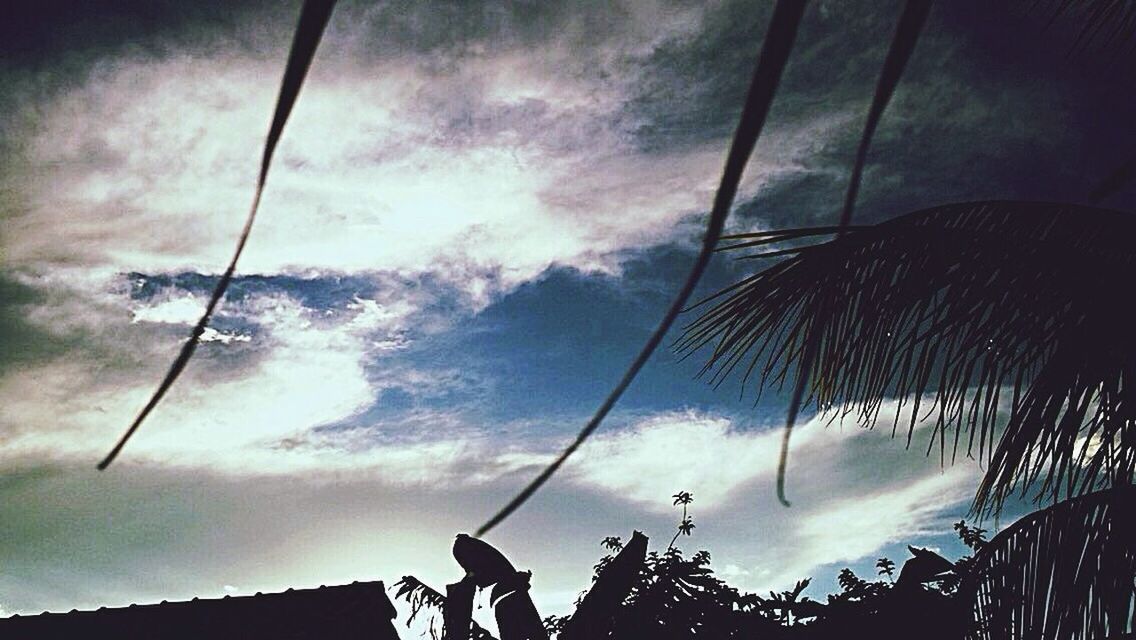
(356, 610)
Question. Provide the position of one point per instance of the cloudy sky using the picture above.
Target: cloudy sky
(477, 214)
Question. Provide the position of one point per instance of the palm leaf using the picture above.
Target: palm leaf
(902, 45)
(313, 20)
(766, 77)
(1064, 572)
(945, 309)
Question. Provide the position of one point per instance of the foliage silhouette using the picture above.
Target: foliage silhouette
(421, 596)
(597, 610)
(1064, 572)
(676, 596)
(1042, 577)
(903, 44)
(886, 567)
(686, 525)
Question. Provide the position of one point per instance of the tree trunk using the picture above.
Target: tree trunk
(457, 613)
(595, 616)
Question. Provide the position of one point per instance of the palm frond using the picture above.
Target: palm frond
(313, 20)
(946, 309)
(1063, 572)
(763, 86)
(902, 45)
(1096, 26)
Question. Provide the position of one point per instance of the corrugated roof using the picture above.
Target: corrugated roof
(356, 610)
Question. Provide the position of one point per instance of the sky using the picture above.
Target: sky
(477, 214)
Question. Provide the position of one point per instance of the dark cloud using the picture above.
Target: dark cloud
(986, 109)
(36, 33)
(23, 342)
(692, 87)
(442, 28)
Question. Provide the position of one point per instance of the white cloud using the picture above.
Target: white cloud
(863, 519)
(212, 335)
(649, 461)
(308, 375)
(184, 309)
(853, 490)
(485, 174)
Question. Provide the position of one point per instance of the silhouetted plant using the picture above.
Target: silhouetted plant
(885, 567)
(785, 603)
(686, 525)
(676, 596)
(972, 537)
(1068, 572)
(949, 307)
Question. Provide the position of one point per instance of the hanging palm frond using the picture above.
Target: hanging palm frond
(779, 39)
(420, 595)
(1063, 572)
(946, 310)
(902, 45)
(314, 16)
(1095, 26)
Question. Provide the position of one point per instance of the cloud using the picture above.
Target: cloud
(486, 172)
(185, 309)
(853, 490)
(658, 456)
(304, 371)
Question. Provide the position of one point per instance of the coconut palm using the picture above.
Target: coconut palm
(1063, 572)
(1006, 325)
(954, 308)
(949, 310)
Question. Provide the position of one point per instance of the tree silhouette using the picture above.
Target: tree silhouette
(1067, 571)
(1023, 296)
(686, 525)
(948, 307)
